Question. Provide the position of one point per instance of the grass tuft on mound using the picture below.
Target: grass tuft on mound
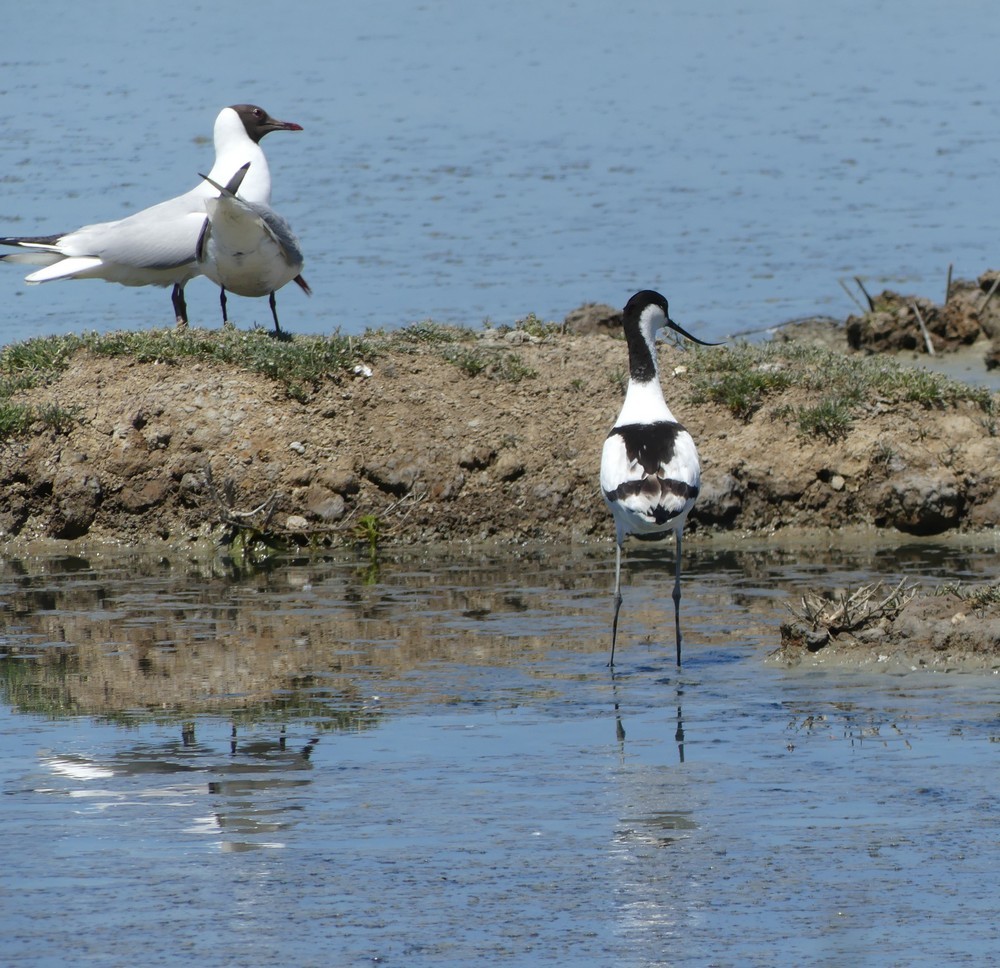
(746, 377)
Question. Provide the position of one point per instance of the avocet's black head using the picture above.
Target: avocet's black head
(644, 315)
(647, 298)
(258, 122)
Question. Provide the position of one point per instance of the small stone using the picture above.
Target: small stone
(518, 336)
(136, 497)
(297, 446)
(837, 482)
(332, 509)
(593, 318)
(509, 467)
(815, 639)
(295, 522)
(476, 458)
(191, 482)
(339, 478)
(395, 476)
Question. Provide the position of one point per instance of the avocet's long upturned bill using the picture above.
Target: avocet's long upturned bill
(156, 247)
(247, 248)
(650, 473)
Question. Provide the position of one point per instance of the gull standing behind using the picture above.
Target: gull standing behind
(247, 248)
(650, 475)
(156, 247)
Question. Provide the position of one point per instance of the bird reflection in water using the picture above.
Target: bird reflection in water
(249, 784)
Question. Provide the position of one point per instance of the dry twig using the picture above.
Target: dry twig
(861, 286)
(923, 329)
(224, 499)
(851, 296)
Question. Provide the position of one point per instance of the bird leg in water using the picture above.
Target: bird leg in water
(618, 601)
(677, 592)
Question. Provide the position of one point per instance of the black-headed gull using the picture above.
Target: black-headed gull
(246, 247)
(157, 246)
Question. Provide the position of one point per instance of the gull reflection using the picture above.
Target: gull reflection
(253, 788)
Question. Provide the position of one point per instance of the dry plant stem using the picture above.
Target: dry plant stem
(267, 506)
(989, 295)
(854, 299)
(923, 329)
(861, 286)
(227, 514)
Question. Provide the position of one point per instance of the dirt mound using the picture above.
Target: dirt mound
(499, 436)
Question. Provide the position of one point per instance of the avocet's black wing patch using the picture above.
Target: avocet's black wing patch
(650, 445)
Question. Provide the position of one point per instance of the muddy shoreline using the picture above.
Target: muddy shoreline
(433, 452)
(494, 436)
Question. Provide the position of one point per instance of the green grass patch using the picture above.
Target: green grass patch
(471, 362)
(534, 326)
(428, 333)
(741, 379)
(745, 377)
(507, 367)
(295, 363)
(831, 418)
(743, 393)
(298, 363)
(38, 356)
(16, 418)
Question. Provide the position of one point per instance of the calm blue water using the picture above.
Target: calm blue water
(431, 766)
(465, 162)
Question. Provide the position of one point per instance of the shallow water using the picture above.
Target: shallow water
(429, 763)
(463, 161)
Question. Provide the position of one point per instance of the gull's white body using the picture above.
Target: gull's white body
(156, 246)
(247, 248)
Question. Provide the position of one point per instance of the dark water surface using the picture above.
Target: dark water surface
(430, 764)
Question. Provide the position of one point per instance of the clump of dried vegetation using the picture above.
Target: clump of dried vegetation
(870, 609)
